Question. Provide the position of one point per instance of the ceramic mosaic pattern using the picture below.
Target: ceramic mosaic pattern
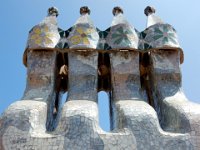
(131, 111)
(45, 34)
(158, 36)
(83, 67)
(122, 36)
(40, 75)
(102, 44)
(83, 36)
(41, 78)
(33, 123)
(63, 38)
(142, 120)
(125, 75)
(177, 114)
(24, 125)
(78, 131)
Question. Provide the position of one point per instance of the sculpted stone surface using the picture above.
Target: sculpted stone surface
(148, 108)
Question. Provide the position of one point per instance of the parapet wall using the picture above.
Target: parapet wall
(149, 109)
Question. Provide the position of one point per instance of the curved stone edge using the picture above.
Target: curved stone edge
(26, 115)
(142, 119)
(184, 116)
(130, 111)
(19, 139)
(176, 113)
(79, 123)
(82, 130)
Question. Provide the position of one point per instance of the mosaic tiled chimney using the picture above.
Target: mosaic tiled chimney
(139, 70)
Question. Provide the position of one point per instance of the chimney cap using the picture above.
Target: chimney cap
(53, 11)
(117, 10)
(84, 10)
(149, 10)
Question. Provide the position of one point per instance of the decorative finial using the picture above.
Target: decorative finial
(84, 10)
(117, 10)
(149, 10)
(53, 11)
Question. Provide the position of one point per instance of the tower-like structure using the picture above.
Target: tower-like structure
(139, 70)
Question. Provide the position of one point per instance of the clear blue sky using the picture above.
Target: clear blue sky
(19, 16)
